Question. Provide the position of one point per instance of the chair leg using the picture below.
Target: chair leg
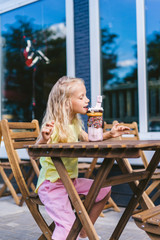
(4, 187)
(27, 177)
(47, 230)
(29, 183)
(111, 203)
(155, 196)
(153, 185)
(89, 172)
(42, 237)
(9, 185)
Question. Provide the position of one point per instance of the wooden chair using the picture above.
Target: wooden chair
(15, 139)
(134, 135)
(149, 221)
(16, 130)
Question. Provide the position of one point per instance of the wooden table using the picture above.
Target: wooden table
(110, 151)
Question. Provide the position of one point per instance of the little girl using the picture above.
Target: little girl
(62, 123)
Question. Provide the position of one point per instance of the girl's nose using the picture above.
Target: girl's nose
(87, 100)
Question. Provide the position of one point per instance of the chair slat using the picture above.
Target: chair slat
(20, 145)
(149, 213)
(22, 125)
(155, 220)
(129, 138)
(21, 135)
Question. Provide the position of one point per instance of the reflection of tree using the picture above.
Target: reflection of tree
(131, 77)
(153, 59)
(18, 77)
(153, 56)
(109, 56)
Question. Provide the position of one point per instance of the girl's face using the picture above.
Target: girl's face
(79, 100)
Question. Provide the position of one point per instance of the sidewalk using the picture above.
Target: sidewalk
(16, 223)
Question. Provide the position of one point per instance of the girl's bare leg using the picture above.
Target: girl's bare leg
(95, 212)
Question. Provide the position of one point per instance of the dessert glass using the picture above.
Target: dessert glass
(95, 126)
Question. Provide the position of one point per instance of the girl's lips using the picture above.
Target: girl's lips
(86, 108)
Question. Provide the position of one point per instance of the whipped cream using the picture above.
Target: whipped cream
(98, 107)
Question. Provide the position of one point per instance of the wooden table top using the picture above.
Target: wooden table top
(103, 144)
(107, 148)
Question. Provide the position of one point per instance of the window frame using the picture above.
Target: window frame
(70, 38)
(10, 5)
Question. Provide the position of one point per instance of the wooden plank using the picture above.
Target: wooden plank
(20, 145)
(83, 152)
(21, 125)
(130, 138)
(125, 178)
(25, 134)
(155, 220)
(149, 213)
(148, 228)
(138, 144)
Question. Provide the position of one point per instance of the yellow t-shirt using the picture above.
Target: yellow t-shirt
(48, 170)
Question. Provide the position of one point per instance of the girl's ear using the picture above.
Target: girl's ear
(68, 104)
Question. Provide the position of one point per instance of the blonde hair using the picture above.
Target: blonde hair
(59, 107)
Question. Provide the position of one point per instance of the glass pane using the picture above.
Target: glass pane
(119, 60)
(29, 35)
(153, 63)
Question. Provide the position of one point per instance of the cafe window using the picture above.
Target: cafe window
(125, 44)
(152, 8)
(33, 57)
(119, 60)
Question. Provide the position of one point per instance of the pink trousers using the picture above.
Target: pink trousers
(57, 204)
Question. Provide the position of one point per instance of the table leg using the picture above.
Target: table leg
(76, 201)
(125, 167)
(102, 174)
(136, 197)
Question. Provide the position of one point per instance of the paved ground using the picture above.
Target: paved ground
(16, 223)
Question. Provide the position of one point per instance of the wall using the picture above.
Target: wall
(82, 49)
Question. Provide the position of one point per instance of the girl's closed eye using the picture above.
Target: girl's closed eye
(81, 97)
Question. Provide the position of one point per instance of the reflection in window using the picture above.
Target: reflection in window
(119, 60)
(153, 63)
(27, 34)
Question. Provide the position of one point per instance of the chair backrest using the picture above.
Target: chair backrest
(16, 135)
(132, 135)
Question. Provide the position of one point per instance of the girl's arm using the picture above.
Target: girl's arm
(46, 133)
(83, 136)
(116, 131)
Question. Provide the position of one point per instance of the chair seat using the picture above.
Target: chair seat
(35, 198)
(7, 164)
(83, 167)
(149, 221)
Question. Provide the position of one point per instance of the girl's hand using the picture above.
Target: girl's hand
(46, 133)
(118, 130)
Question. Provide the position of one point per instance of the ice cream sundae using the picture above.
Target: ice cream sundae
(95, 121)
